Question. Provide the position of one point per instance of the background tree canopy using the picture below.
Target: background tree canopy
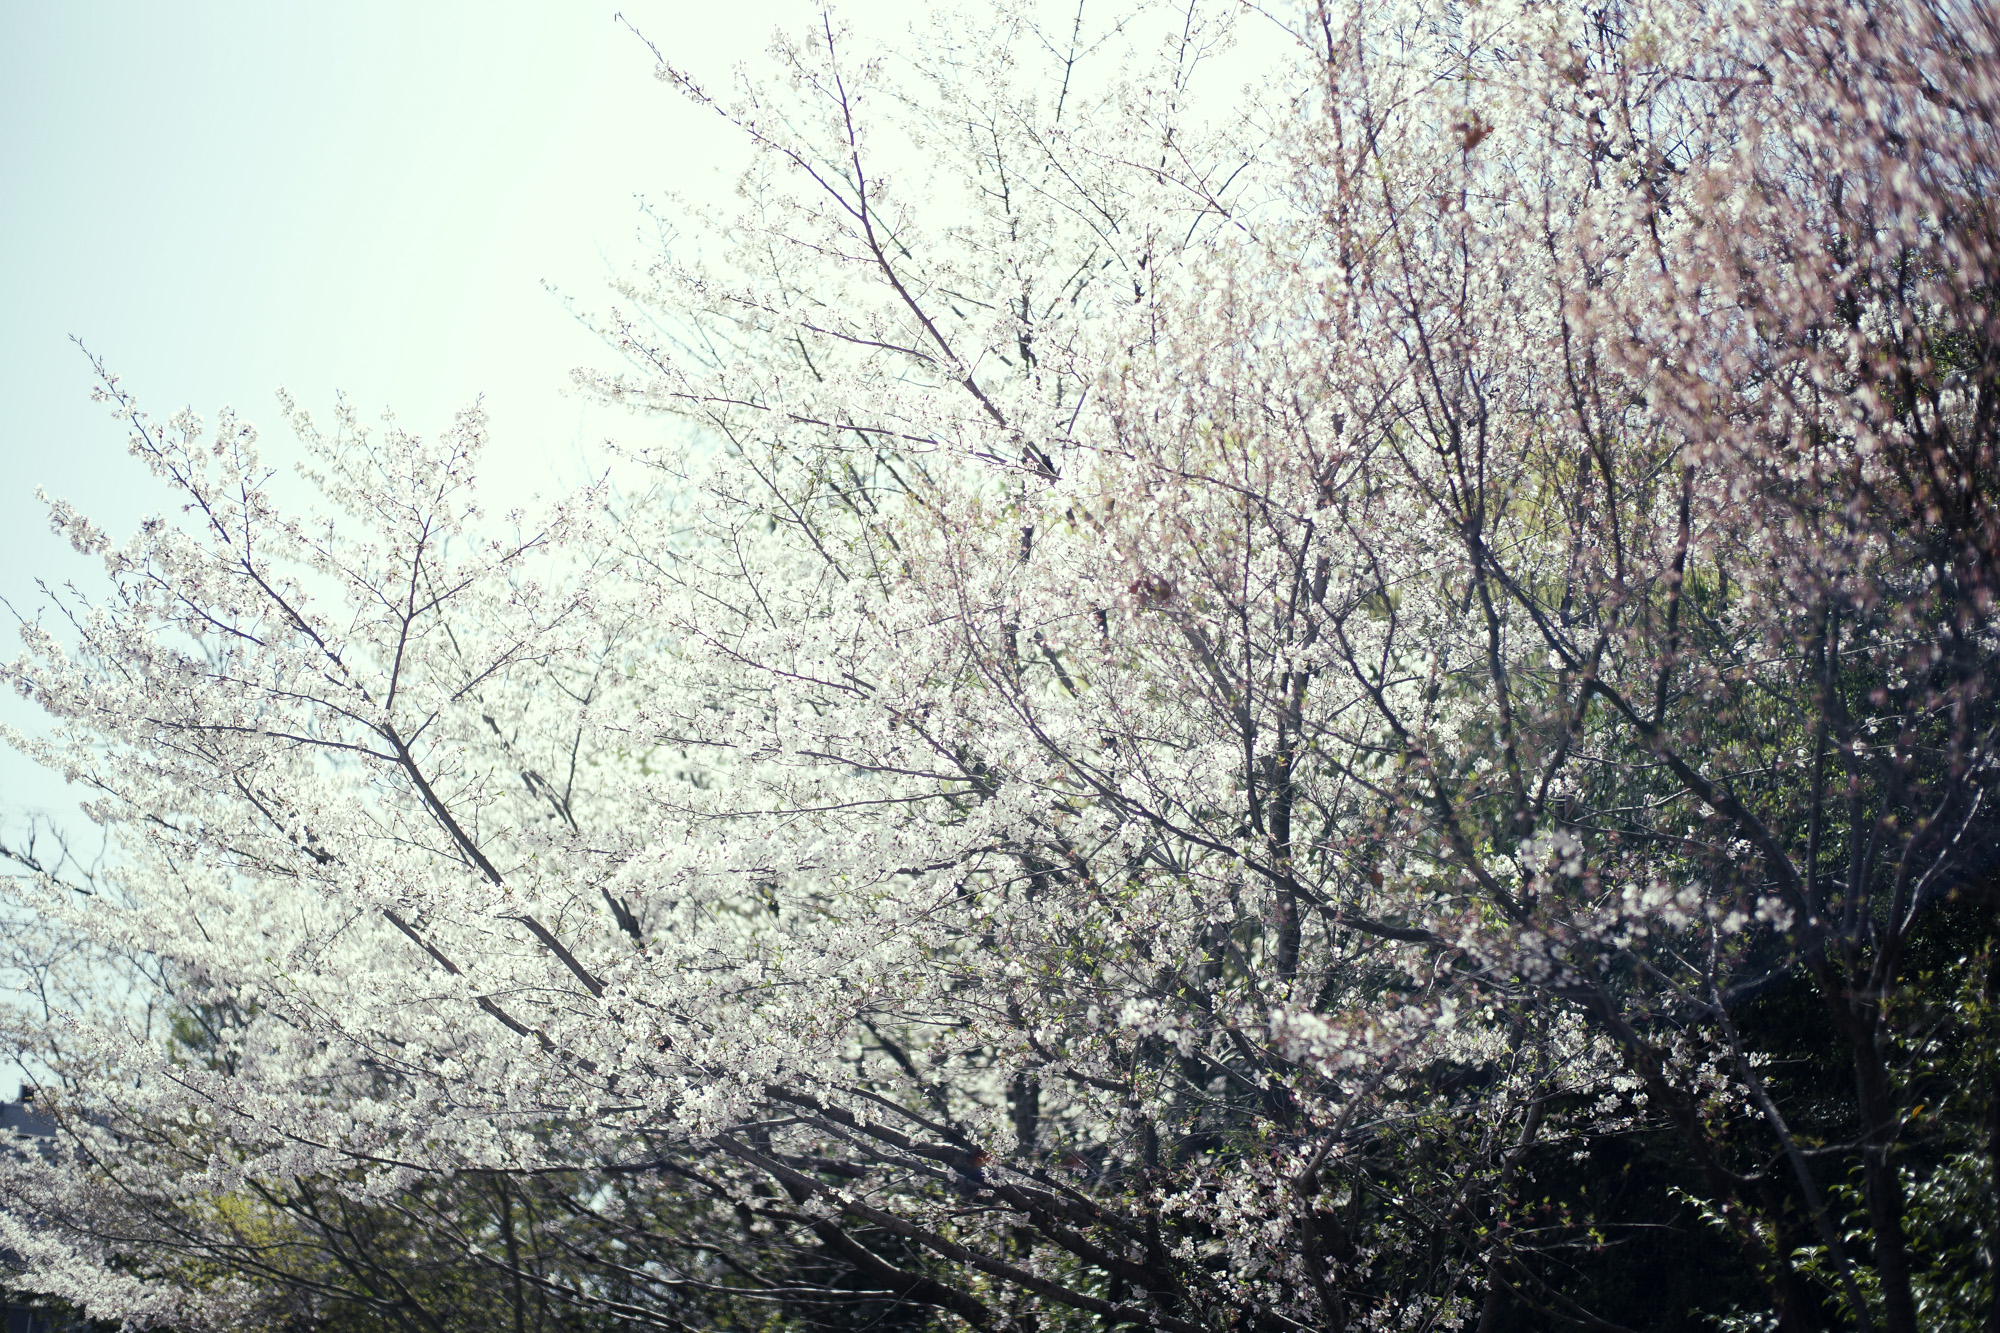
(1367, 709)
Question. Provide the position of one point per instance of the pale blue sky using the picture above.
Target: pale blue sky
(368, 196)
(363, 196)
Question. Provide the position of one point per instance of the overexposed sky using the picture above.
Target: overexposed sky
(366, 196)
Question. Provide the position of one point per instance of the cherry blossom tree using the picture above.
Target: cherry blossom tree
(1217, 694)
